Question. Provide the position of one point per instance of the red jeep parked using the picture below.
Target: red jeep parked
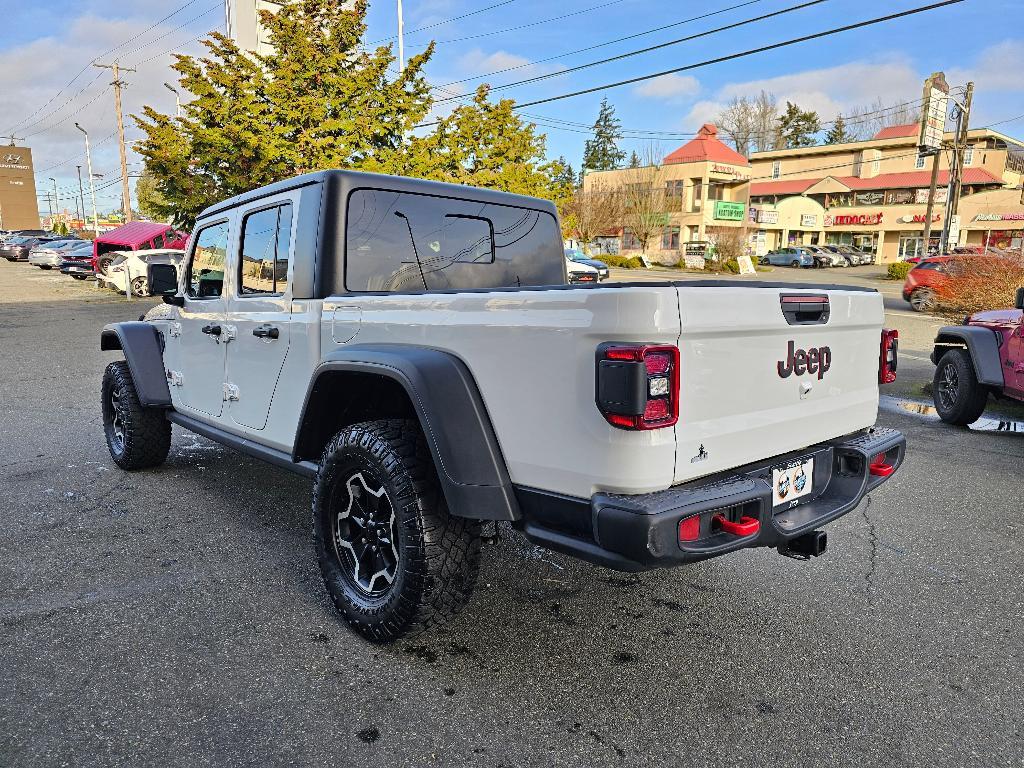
(133, 236)
(983, 356)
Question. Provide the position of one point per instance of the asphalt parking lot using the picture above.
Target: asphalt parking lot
(176, 616)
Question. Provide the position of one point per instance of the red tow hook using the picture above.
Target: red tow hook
(879, 468)
(747, 526)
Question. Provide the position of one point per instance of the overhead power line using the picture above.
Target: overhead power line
(89, 63)
(537, 23)
(534, 62)
(750, 52)
(640, 51)
(442, 22)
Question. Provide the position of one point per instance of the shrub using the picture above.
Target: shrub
(898, 270)
(624, 262)
(977, 283)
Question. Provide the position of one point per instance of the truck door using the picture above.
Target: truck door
(259, 308)
(1013, 372)
(201, 335)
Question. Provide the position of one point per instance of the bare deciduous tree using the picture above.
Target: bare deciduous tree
(751, 124)
(643, 200)
(865, 122)
(593, 211)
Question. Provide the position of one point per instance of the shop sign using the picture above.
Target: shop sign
(862, 219)
(717, 168)
(917, 218)
(921, 195)
(869, 198)
(767, 217)
(899, 197)
(809, 220)
(999, 217)
(933, 114)
(729, 211)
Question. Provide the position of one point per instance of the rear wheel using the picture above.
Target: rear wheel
(78, 277)
(137, 437)
(923, 300)
(44, 266)
(959, 398)
(393, 560)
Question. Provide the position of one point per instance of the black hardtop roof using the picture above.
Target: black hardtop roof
(356, 179)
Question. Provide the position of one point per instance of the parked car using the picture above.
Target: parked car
(134, 236)
(982, 357)
(407, 387)
(50, 255)
(130, 268)
(859, 256)
(78, 265)
(923, 283)
(796, 256)
(851, 256)
(581, 273)
(18, 248)
(826, 258)
(579, 257)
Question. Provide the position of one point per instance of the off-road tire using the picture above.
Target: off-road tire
(438, 554)
(923, 300)
(959, 398)
(145, 433)
(140, 286)
(103, 263)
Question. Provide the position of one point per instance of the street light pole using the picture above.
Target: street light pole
(56, 196)
(177, 99)
(81, 197)
(92, 187)
(401, 39)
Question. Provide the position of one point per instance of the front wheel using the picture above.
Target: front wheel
(394, 561)
(959, 398)
(137, 437)
(794, 263)
(44, 266)
(923, 300)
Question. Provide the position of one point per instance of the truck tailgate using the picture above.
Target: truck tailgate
(740, 397)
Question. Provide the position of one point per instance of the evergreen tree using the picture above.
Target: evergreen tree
(317, 101)
(563, 175)
(602, 153)
(838, 134)
(797, 128)
(634, 160)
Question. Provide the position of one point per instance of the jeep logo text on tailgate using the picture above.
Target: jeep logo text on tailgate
(800, 361)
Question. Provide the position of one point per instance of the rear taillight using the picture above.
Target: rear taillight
(888, 355)
(638, 385)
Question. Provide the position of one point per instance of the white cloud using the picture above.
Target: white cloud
(33, 72)
(997, 68)
(671, 87)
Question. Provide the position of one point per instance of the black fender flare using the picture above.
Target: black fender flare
(447, 402)
(140, 342)
(981, 343)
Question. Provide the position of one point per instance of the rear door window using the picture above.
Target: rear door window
(266, 240)
(410, 242)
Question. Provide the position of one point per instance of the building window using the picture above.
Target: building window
(919, 163)
(629, 240)
(674, 192)
(776, 169)
(968, 155)
(698, 194)
(670, 238)
(716, 190)
(858, 163)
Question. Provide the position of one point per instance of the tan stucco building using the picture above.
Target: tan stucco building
(871, 194)
(19, 207)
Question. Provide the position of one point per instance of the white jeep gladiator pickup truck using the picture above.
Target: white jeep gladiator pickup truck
(415, 349)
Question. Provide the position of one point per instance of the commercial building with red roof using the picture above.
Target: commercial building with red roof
(871, 194)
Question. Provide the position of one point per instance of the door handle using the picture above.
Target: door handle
(212, 330)
(266, 332)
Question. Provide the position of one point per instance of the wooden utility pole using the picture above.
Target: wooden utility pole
(963, 126)
(126, 199)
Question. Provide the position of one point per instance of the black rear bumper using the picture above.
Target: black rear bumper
(641, 532)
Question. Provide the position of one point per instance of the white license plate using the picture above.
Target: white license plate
(792, 481)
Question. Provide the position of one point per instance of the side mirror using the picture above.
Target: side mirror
(1019, 304)
(163, 282)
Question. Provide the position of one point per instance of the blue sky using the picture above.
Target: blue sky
(43, 45)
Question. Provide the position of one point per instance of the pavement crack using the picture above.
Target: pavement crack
(869, 577)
